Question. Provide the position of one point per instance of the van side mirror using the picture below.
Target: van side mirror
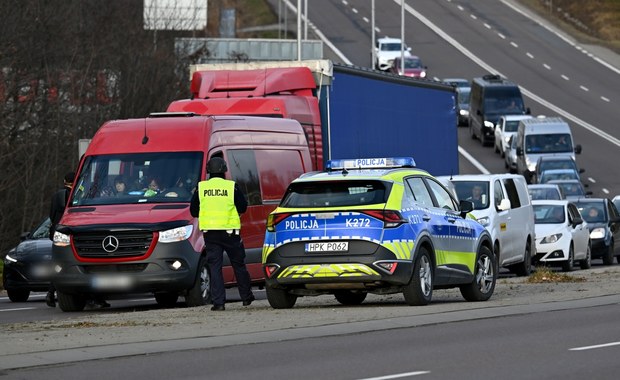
(478, 113)
(409, 49)
(588, 193)
(466, 207)
(503, 205)
(528, 111)
(519, 151)
(578, 149)
(582, 170)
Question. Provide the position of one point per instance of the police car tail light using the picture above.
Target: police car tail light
(389, 266)
(274, 219)
(390, 218)
(270, 269)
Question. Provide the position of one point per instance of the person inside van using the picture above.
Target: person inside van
(120, 186)
(477, 197)
(153, 188)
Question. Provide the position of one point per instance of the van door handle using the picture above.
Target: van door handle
(426, 217)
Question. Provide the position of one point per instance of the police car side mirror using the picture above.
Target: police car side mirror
(466, 207)
(578, 149)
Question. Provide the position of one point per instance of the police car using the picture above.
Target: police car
(376, 225)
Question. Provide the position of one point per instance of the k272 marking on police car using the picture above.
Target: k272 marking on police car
(357, 222)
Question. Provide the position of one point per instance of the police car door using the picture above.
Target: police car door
(433, 221)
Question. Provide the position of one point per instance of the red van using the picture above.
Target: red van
(140, 237)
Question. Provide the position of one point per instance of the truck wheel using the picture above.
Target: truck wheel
(18, 295)
(419, 291)
(587, 262)
(166, 299)
(280, 298)
(347, 297)
(71, 302)
(525, 268)
(485, 276)
(200, 293)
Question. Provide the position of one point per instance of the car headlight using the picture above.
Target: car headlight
(551, 239)
(506, 139)
(597, 233)
(464, 112)
(488, 124)
(9, 259)
(484, 221)
(61, 240)
(423, 74)
(176, 234)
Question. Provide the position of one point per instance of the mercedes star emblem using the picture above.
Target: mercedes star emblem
(110, 244)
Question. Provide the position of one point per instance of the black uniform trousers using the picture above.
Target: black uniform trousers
(216, 242)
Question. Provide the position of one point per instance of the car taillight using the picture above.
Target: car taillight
(274, 219)
(390, 218)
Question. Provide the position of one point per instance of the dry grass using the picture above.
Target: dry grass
(590, 22)
(543, 275)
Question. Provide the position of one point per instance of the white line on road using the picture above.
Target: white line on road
(529, 55)
(605, 99)
(473, 16)
(487, 25)
(398, 375)
(546, 66)
(474, 162)
(584, 88)
(19, 308)
(591, 180)
(365, 19)
(605, 191)
(514, 44)
(354, 10)
(595, 346)
(501, 36)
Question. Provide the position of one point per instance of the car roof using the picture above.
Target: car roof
(542, 186)
(560, 157)
(516, 117)
(590, 200)
(555, 171)
(482, 177)
(388, 39)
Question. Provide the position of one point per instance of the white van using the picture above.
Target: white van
(502, 204)
(541, 136)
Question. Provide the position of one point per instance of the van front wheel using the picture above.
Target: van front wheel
(200, 293)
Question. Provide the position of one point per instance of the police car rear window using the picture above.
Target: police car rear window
(335, 194)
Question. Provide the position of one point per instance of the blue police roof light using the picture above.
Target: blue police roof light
(371, 163)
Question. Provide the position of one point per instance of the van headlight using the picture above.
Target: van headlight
(176, 234)
(484, 221)
(597, 233)
(464, 112)
(488, 124)
(61, 240)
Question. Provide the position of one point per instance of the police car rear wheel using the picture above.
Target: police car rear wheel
(485, 276)
(71, 302)
(419, 291)
(200, 293)
(280, 298)
(347, 297)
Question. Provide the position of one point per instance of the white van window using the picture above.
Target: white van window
(513, 194)
(498, 192)
(473, 191)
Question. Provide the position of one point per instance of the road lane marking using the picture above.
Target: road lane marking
(398, 375)
(605, 99)
(591, 180)
(474, 162)
(546, 66)
(19, 308)
(584, 88)
(514, 44)
(500, 36)
(487, 25)
(595, 346)
(365, 19)
(354, 10)
(605, 191)
(565, 77)
(529, 55)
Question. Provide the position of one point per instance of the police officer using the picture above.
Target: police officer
(217, 205)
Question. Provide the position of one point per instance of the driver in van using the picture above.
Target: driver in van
(477, 197)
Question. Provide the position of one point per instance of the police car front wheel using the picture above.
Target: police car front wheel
(485, 276)
(419, 291)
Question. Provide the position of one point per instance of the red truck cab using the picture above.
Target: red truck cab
(143, 239)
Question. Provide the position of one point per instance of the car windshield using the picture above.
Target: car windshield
(474, 191)
(544, 193)
(137, 178)
(392, 46)
(548, 143)
(463, 95)
(334, 194)
(571, 188)
(413, 63)
(42, 231)
(568, 163)
(553, 174)
(592, 212)
(511, 126)
(503, 101)
(549, 214)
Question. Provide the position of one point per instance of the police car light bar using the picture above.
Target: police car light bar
(371, 163)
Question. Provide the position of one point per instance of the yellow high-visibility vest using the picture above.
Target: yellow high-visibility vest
(217, 205)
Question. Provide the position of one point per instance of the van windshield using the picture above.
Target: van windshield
(549, 143)
(162, 177)
(474, 191)
(505, 101)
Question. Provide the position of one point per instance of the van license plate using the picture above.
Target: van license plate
(111, 282)
(336, 246)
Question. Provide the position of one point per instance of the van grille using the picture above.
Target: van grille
(112, 244)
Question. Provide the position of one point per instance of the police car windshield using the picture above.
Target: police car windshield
(164, 177)
(334, 194)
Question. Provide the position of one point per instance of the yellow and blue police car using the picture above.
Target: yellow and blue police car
(375, 225)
